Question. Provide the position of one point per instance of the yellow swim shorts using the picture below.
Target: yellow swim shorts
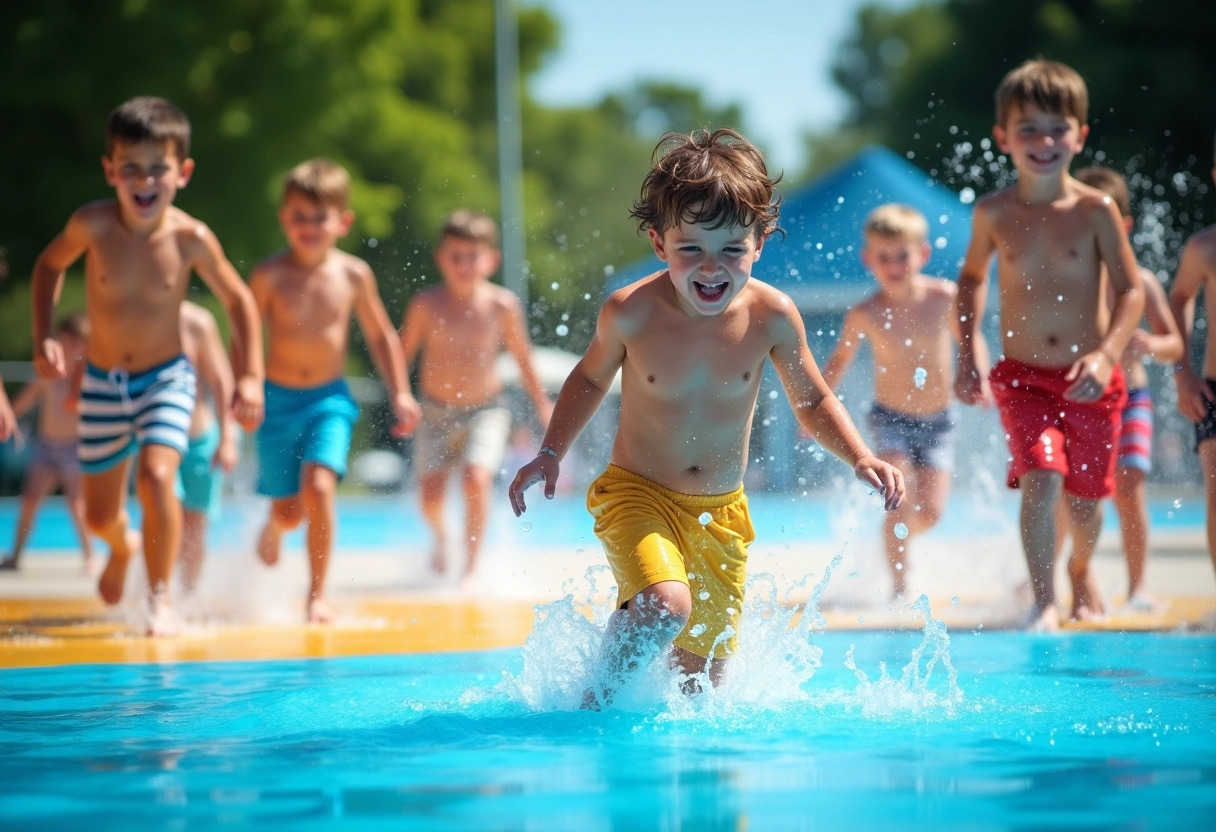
(652, 534)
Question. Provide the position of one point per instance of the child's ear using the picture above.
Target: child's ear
(348, 220)
(656, 240)
(107, 169)
(1128, 224)
(998, 133)
(867, 259)
(761, 239)
(187, 171)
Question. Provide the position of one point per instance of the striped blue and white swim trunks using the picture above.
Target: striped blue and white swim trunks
(120, 413)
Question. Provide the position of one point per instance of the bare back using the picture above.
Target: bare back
(689, 385)
(1196, 273)
(459, 339)
(308, 311)
(912, 344)
(134, 285)
(1053, 294)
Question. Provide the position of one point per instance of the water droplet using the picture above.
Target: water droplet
(698, 629)
(861, 619)
(525, 526)
(705, 518)
(954, 601)
(703, 595)
(554, 285)
(562, 330)
(1075, 348)
(1177, 503)
(772, 395)
(919, 377)
(901, 531)
(856, 573)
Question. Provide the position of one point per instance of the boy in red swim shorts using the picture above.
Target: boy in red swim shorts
(1059, 388)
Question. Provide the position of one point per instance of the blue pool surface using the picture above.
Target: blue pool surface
(1079, 731)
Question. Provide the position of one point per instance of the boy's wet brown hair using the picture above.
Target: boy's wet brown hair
(1109, 183)
(148, 118)
(75, 323)
(895, 221)
(470, 225)
(717, 179)
(320, 180)
(1051, 86)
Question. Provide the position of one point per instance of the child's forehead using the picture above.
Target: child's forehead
(693, 230)
(297, 201)
(456, 243)
(891, 242)
(149, 149)
(1030, 111)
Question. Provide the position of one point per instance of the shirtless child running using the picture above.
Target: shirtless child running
(690, 342)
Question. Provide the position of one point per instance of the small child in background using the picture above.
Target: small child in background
(910, 326)
(214, 434)
(460, 327)
(1160, 342)
(54, 460)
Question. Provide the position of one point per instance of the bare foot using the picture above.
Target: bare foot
(268, 544)
(1045, 620)
(162, 623)
(114, 576)
(319, 612)
(1087, 604)
(9, 564)
(1142, 602)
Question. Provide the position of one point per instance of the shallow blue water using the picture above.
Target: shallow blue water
(1082, 731)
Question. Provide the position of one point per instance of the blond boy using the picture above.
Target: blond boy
(460, 327)
(1059, 386)
(54, 459)
(690, 343)
(1196, 395)
(214, 436)
(138, 389)
(911, 327)
(307, 296)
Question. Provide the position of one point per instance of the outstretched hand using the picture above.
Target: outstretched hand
(408, 414)
(884, 478)
(49, 361)
(1090, 375)
(544, 468)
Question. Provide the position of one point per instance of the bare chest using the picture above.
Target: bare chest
(697, 365)
(1045, 255)
(128, 270)
(466, 329)
(317, 300)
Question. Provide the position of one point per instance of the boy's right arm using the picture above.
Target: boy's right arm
(846, 349)
(217, 373)
(577, 402)
(972, 294)
(1193, 393)
(46, 282)
(8, 420)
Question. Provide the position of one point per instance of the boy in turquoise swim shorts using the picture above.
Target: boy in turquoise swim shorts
(212, 448)
(138, 388)
(307, 296)
(690, 342)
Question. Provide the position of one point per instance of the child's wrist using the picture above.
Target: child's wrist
(545, 449)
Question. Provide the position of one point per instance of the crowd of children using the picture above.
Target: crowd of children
(120, 385)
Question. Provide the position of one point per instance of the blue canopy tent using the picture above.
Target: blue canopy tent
(817, 263)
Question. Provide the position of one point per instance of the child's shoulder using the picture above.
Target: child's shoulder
(97, 216)
(1203, 243)
(937, 288)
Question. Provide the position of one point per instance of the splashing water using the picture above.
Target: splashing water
(705, 518)
(919, 377)
(901, 531)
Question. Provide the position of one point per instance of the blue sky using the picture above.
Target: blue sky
(772, 57)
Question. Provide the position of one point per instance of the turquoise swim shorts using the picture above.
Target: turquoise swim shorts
(303, 425)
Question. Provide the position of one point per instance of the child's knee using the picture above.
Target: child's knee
(318, 487)
(477, 480)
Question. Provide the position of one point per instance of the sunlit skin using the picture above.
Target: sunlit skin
(456, 331)
(202, 344)
(1051, 236)
(909, 324)
(1196, 273)
(140, 252)
(690, 343)
(307, 296)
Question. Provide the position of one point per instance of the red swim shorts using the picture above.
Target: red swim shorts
(1048, 432)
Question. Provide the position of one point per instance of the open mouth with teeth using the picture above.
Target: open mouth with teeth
(710, 292)
(144, 200)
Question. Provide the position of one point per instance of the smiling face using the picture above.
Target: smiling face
(894, 261)
(146, 177)
(707, 266)
(1041, 144)
(464, 263)
(312, 228)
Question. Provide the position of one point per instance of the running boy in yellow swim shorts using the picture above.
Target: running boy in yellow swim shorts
(690, 342)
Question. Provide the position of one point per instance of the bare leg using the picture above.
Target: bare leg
(477, 485)
(636, 634)
(39, 480)
(155, 482)
(897, 550)
(194, 546)
(1064, 528)
(1086, 515)
(1207, 463)
(74, 495)
(285, 515)
(1040, 494)
(1131, 503)
(317, 493)
(431, 488)
(105, 512)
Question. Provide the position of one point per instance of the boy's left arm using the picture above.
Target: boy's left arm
(820, 412)
(517, 342)
(8, 421)
(386, 350)
(249, 369)
(1163, 341)
(1091, 373)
